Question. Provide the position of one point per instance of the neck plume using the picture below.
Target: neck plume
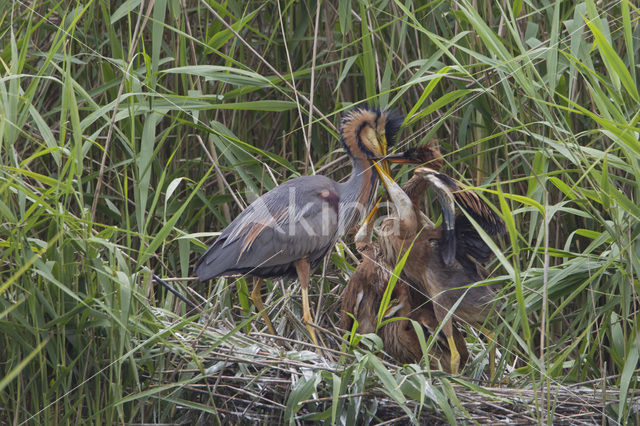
(357, 194)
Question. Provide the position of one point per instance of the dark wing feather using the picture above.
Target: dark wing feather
(459, 237)
(468, 240)
(281, 227)
(470, 243)
(468, 200)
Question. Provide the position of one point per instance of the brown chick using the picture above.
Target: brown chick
(442, 259)
(362, 298)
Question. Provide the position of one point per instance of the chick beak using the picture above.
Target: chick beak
(385, 176)
(366, 229)
(395, 158)
(373, 212)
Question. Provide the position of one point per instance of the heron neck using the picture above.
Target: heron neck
(415, 189)
(357, 194)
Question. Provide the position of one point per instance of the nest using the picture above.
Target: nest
(221, 373)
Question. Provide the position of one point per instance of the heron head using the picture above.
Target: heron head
(437, 178)
(368, 132)
(425, 154)
(425, 172)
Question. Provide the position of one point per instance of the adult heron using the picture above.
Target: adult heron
(289, 230)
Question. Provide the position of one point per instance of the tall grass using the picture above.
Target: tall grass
(132, 132)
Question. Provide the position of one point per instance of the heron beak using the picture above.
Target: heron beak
(385, 164)
(373, 211)
(396, 158)
(400, 199)
(385, 176)
(426, 172)
(366, 229)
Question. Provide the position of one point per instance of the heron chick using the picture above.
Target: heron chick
(444, 261)
(362, 298)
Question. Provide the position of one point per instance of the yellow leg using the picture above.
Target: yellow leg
(256, 296)
(302, 268)
(447, 328)
(455, 355)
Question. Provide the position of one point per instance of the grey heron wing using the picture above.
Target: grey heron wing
(297, 219)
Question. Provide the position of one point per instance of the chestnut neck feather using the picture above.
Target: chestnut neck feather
(356, 194)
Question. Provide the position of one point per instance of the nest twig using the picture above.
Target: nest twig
(246, 378)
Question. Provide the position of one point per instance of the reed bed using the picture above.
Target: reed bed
(132, 132)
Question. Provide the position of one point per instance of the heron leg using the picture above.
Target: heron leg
(256, 296)
(461, 345)
(455, 355)
(447, 328)
(302, 268)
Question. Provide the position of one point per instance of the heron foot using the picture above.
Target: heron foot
(256, 296)
(455, 355)
(312, 331)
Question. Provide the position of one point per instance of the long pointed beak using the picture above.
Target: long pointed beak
(385, 164)
(400, 199)
(395, 158)
(373, 211)
(383, 167)
(424, 172)
(384, 173)
(386, 167)
(366, 229)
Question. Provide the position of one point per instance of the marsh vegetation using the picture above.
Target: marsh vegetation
(132, 131)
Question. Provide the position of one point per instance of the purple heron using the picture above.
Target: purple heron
(289, 230)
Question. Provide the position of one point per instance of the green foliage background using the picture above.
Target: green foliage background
(130, 131)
